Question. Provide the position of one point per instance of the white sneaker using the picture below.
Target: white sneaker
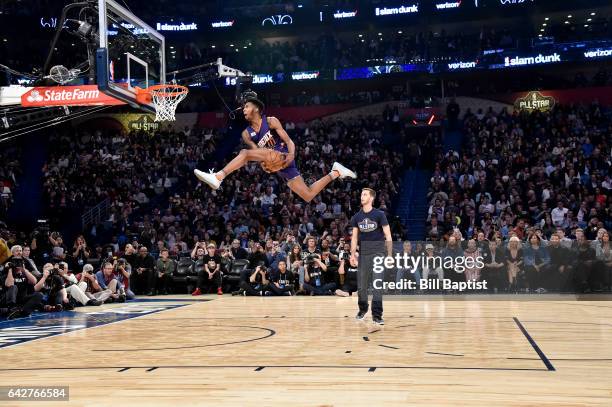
(344, 172)
(208, 177)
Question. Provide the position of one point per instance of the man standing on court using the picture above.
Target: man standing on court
(371, 230)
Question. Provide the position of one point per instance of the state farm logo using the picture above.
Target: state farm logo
(63, 95)
(35, 96)
(67, 96)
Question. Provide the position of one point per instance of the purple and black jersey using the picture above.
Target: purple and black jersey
(269, 138)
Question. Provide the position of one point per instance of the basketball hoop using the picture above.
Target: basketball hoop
(165, 99)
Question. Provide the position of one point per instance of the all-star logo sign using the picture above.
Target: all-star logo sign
(535, 101)
(67, 96)
(144, 123)
(367, 225)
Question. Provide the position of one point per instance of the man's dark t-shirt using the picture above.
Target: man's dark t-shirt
(215, 258)
(370, 226)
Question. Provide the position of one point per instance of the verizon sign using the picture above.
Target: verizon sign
(448, 5)
(84, 95)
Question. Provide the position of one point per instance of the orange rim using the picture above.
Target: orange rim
(145, 96)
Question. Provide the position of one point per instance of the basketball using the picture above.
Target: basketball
(306, 203)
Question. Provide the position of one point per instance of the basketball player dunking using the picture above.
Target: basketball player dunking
(371, 230)
(265, 133)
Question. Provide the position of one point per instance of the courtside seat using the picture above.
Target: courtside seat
(184, 269)
(236, 267)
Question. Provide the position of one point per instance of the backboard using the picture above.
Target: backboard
(131, 54)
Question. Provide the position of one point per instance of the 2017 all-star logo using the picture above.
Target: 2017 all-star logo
(535, 101)
(367, 225)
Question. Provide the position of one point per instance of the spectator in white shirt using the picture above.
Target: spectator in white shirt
(558, 214)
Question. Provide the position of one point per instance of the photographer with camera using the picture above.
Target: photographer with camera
(282, 280)
(107, 281)
(257, 284)
(348, 274)
(71, 285)
(58, 249)
(17, 293)
(51, 286)
(89, 285)
(315, 276)
(123, 271)
(80, 252)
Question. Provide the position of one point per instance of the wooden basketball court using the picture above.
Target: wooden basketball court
(311, 351)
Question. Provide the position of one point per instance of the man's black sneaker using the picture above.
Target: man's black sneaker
(360, 316)
(95, 303)
(378, 320)
(15, 313)
(121, 298)
(68, 306)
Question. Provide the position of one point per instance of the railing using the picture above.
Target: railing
(95, 214)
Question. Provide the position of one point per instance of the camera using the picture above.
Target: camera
(310, 259)
(15, 264)
(345, 255)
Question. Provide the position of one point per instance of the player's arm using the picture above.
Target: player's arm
(354, 237)
(275, 124)
(247, 139)
(388, 240)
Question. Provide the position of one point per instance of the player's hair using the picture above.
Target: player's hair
(371, 192)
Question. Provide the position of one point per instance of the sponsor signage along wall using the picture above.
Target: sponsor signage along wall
(532, 60)
(391, 11)
(448, 5)
(177, 27)
(306, 75)
(338, 15)
(277, 19)
(453, 66)
(598, 53)
(222, 24)
(80, 95)
(535, 101)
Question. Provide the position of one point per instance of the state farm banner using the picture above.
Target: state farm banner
(79, 95)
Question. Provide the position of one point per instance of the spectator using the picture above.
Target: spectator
(165, 269)
(281, 280)
(209, 272)
(143, 279)
(17, 294)
(107, 281)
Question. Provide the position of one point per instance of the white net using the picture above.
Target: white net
(166, 98)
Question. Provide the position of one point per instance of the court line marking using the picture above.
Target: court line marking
(535, 346)
(90, 327)
(387, 346)
(445, 354)
(277, 367)
(271, 332)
